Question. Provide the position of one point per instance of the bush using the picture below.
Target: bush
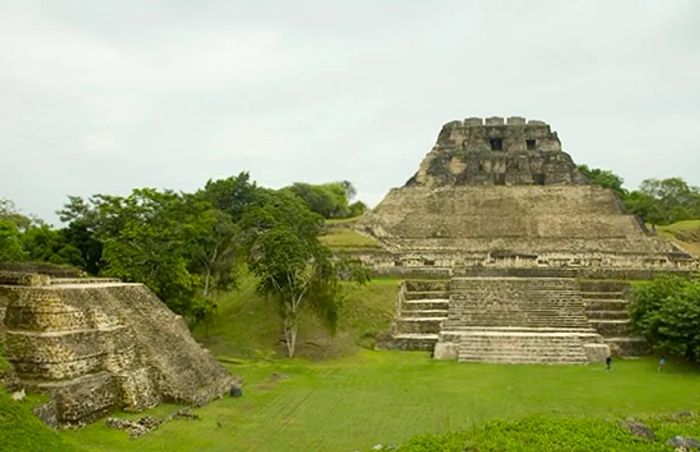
(666, 312)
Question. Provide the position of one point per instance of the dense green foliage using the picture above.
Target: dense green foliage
(28, 239)
(603, 178)
(540, 433)
(331, 200)
(357, 401)
(186, 246)
(667, 312)
(657, 201)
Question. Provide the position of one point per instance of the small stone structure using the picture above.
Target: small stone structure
(96, 345)
(521, 244)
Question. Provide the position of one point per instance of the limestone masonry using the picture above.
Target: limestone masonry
(96, 345)
(498, 194)
(521, 243)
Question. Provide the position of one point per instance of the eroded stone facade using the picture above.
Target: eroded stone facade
(496, 152)
(100, 345)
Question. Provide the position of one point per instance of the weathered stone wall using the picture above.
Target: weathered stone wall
(501, 194)
(99, 346)
(496, 152)
(519, 226)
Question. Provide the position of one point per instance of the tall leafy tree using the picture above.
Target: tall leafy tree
(673, 199)
(330, 200)
(292, 273)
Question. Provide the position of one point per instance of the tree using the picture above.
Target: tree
(292, 272)
(232, 195)
(330, 200)
(212, 245)
(673, 199)
(604, 178)
(11, 248)
(666, 312)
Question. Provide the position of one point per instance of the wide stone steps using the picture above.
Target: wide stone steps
(425, 304)
(425, 313)
(502, 347)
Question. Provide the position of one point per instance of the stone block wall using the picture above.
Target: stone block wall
(524, 226)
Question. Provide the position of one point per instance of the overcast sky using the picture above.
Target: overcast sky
(102, 97)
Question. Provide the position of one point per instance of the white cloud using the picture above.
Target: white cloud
(98, 97)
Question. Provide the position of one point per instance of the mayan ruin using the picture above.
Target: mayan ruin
(521, 245)
(96, 345)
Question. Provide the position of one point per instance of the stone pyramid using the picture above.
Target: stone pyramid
(503, 195)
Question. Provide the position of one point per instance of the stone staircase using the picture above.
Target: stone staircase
(421, 307)
(606, 307)
(521, 347)
(517, 320)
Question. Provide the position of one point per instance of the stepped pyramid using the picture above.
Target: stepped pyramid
(503, 194)
(519, 237)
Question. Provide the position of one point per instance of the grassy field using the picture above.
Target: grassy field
(248, 325)
(368, 398)
(347, 239)
(684, 233)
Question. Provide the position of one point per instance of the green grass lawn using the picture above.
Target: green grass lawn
(357, 401)
(248, 325)
(684, 233)
(348, 239)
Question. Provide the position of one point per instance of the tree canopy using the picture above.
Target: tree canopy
(657, 201)
(331, 200)
(185, 246)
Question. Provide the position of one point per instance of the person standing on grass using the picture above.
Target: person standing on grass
(662, 363)
(608, 363)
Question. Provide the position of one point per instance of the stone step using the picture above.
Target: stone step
(420, 285)
(414, 341)
(606, 305)
(518, 331)
(603, 286)
(428, 303)
(522, 360)
(450, 323)
(521, 348)
(602, 295)
(433, 294)
(515, 320)
(434, 313)
(612, 328)
(519, 293)
(608, 315)
(59, 281)
(418, 325)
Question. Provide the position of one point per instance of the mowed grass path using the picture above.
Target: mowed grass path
(387, 397)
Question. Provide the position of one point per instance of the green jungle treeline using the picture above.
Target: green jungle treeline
(657, 201)
(184, 246)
